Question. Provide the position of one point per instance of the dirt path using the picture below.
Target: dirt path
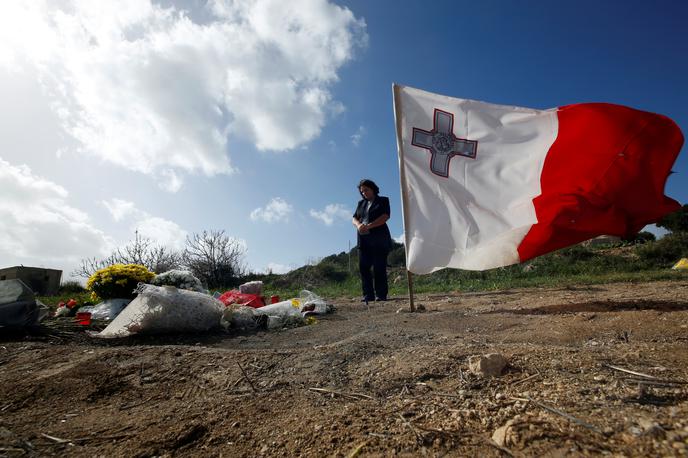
(370, 382)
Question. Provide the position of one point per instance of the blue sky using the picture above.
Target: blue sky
(259, 118)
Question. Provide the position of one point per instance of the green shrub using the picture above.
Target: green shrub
(118, 281)
(643, 237)
(397, 256)
(70, 287)
(665, 251)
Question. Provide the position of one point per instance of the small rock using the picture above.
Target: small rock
(651, 428)
(490, 365)
(635, 430)
(679, 445)
(501, 433)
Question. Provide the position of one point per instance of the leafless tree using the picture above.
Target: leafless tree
(88, 267)
(214, 257)
(141, 251)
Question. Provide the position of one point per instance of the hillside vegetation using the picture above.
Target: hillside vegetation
(638, 260)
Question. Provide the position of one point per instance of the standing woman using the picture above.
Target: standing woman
(374, 240)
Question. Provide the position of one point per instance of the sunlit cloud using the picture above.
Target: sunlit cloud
(39, 225)
(276, 210)
(331, 212)
(155, 90)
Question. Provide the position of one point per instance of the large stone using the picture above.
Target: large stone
(490, 365)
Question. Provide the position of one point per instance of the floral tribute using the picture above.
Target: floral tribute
(118, 281)
(181, 279)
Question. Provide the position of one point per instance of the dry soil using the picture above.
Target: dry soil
(369, 381)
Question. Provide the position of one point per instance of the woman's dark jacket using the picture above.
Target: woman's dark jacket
(378, 237)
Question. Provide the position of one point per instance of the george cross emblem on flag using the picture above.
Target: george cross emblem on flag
(442, 143)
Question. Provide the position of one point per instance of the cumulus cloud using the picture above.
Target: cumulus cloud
(119, 208)
(160, 230)
(276, 210)
(159, 90)
(332, 212)
(39, 226)
(358, 135)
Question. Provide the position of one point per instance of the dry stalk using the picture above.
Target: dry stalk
(246, 377)
(341, 393)
(567, 416)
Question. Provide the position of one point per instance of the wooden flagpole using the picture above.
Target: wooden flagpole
(404, 188)
(409, 276)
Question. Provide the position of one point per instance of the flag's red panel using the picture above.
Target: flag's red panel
(604, 175)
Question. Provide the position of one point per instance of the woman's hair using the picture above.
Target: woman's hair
(369, 184)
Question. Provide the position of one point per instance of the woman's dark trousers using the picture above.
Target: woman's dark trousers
(374, 284)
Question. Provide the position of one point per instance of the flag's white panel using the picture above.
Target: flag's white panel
(476, 216)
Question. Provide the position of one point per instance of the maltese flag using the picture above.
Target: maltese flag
(486, 185)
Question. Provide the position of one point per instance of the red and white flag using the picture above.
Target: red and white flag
(488, 185)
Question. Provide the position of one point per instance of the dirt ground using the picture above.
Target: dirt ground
(370, 381)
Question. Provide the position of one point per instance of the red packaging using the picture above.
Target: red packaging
(236, 297)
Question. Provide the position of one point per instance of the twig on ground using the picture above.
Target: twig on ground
(664, 383)
(341, 393)
(56, 439)
(246, 377)
(110, 437)
(136, 404)
(356, 450)
(447, 395)
(621, 369)
(13, 450)
(567, 416)
(518, 382)
(419, 436)
(236, 382)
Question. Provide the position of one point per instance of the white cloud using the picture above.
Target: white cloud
(119, 209)
(332, 212)
(276, 210)
(161, 231)
(358, 136)
(276, 268)
(399, 239)
(39, 226)
(154, 90)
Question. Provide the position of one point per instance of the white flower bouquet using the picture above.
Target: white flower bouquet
(181, 279)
